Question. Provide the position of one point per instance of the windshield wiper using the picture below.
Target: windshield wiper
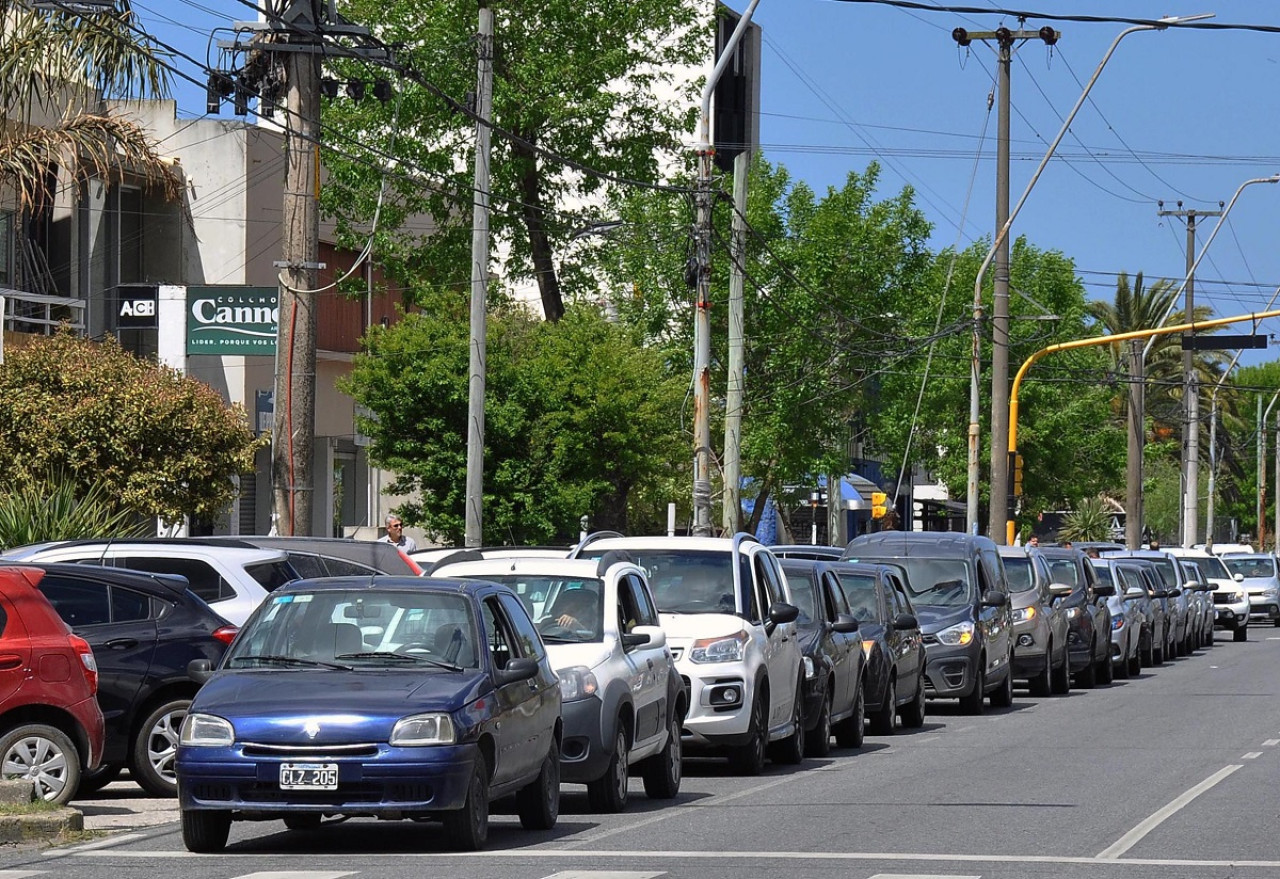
(399, 657)
(293, 660)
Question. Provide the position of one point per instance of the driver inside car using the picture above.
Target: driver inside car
(577, 609)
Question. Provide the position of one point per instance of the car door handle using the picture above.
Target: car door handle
(121, 644)
(650, 665)
(8, 661)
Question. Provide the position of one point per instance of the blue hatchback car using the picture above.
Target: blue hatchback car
(386, 697)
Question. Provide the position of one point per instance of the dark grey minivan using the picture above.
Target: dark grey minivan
(960, 593)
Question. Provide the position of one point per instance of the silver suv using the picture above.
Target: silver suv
(622, 700)
(731, 625)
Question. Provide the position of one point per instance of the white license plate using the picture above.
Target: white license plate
(308, 776)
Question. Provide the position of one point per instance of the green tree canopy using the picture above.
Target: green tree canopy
(159, 443)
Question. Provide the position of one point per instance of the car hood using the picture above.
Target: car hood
(684, 628)
(590, 655)
(934, 619)
(1257, 584)
(276, 706)
(1019, 600)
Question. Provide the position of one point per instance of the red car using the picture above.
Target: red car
(51, 727)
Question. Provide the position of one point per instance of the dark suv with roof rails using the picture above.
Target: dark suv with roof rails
(960, 594)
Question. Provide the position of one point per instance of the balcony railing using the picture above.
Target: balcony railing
(38, 314)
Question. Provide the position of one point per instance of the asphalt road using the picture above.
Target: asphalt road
(1169, 775)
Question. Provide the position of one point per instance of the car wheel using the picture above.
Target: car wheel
(749, 759)
(817, 743)
(44, 756)
(1002, 696)
(851, 731)
(1241, 634)
(96, 780)
(1105, 671)
(662, 772)
(974, 702)
(468, 827)
(1135, 665)
(884, 720)
(791, 749)
(609, 792)
(913, 713)
(205, 832)
(538, 802)
(303, 821)
(1122, 669)
(1087, 677)
(1061, 684)
(1277, 622)
(156, 748)
(1042, 683)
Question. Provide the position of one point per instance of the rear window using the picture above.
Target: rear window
(271, 575)
(204, 580)
(1018, 570)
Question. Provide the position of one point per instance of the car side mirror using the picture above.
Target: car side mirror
(1239, 578)
(1175, 592)
(1059, 590)
(1134, 593)
(845, 624)
(992, 598)
(199, 670)
(1106, 590)
(645, 636)
(1161, 594)
(522, 668)
(783, 613)
(908, 621)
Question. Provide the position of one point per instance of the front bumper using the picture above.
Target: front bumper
(1029, 648)
(949, 672)
(1264, 607)
(382, 781)
(720, 697)
(1080, 643)
(1231, 616)
(584, 756)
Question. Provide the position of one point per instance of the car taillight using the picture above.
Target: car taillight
(81, 646)
(226, 634)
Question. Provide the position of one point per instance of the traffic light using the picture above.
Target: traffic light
(878, 504)
(1015, 469)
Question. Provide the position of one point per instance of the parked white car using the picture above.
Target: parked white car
(232, 580)
(1259, 578)
(622, 700)
(1230, 598)
(731, 625)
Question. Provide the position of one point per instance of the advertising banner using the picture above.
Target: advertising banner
(232, 320)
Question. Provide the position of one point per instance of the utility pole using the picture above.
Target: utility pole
(1190, 393)
(999, 478)
(1133, 471)
(732, 512)
(1262, 479)
(474, 531)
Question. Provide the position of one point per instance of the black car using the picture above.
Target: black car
(1088, 617)
(807, 551)
(834, 665)
(144, 629)
(891, 641)
(959, 589)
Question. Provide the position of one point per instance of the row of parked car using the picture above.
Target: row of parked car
(368, 690)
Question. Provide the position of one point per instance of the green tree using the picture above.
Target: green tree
(55, 69)
(159, 443)
(1090, 520)
(593, 85)
(58, 509)
(578, 417)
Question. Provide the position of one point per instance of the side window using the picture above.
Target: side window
(772, 579)
(886, 599)
(527, 639)
(895, 595)
(1042, 575)
(270, 576)
(308, 565)
(751, 582)
(78, 603)
(644, 602)
(128, 606)
(204, 580)
(497, 638)
(836, 602)
(985, 579)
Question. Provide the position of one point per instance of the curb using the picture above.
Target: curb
(26, 828)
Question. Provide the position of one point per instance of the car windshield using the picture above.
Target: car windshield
(564, 608)
(358, 628)
(1063, 572)
(860, 591)
(1251, 566)
(1167, 572)
(804, 592)
(937, 582)
(1018, 570)
(1209, 568)
(688, 581)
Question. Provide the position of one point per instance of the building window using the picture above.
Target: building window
(6, 249)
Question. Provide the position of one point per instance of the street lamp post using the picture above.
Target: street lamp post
(975, 390)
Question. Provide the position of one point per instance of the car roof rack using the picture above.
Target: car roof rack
(462, 555)
(591, 538)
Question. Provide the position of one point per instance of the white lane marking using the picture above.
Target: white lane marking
(1252, 755)
(751, 857)
(1273, 638)
(600, 874)
(298, 874)
(1134, 836)
(1271, 743)
(922, 876)
(91, 846)
(19, 874)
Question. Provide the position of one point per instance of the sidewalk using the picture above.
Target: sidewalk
(122, 805)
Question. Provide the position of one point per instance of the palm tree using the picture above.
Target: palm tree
(58, 69)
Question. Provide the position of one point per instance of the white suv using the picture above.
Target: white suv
(730, 622)
(622, 700)
(232, 580)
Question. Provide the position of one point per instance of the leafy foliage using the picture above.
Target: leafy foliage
(157, 442)
(1090, 520)
(57, 509)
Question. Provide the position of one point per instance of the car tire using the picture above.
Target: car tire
(538, 802)
(1002, 696)
(974, 702)
(1087, 677)
(1277, 622)
(749, 759)
(303, 821)
(1240, 634)
(1121, 671)
(663, 771)
(45, 756)
(1135, 665)
(155, 749)
(609, 792)
(791, 749)
(851, 732)
(817, 742)
(468, 827)
(96, 780)
(884, 720)
(1105, 672)
(1061, 684)
(913, 713)
(205, 832)
(1042, 683)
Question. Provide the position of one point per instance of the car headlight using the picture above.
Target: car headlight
(867, 647)
(1073, 612)
(730, 649)
(577, 682)
(423, 729)
(1022, 614)
(1117, 623)
(206, 731)
(808, 668)
(957, 635)
(1239, 597)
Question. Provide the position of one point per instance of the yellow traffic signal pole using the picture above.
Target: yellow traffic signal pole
(1010, 525)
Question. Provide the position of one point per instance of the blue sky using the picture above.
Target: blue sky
(1177, 115)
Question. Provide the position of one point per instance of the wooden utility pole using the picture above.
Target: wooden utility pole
(1133, 507)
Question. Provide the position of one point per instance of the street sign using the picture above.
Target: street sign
(1223, 342)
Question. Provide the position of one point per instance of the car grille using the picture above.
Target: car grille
(1222, 598)
(676, 653)
(259, 792)
(930, 639)
(254, 749)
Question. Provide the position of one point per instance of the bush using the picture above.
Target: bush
(37, 513)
